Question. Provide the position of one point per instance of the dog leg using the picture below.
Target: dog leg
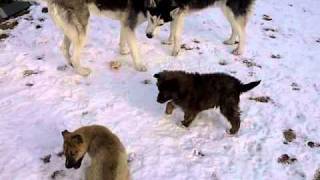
(170, 107)
(172, 29)
(178, 28)
(241, 21)
(229, 15)
(132, 42)
(123, 49)
(230, 110)
(75, 60)
(188, 118)
(65, 48)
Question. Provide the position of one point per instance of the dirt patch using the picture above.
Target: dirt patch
(250, 63)
(29, 73)
(115, 65)
(3, 36)
(289, 135)
(266, 17)
(262, 99)
(46, 159)
(57, 173)
(275, 56)
(8, 24)
(147, 81)
(295, 86)
(313, 144)
(286, 159)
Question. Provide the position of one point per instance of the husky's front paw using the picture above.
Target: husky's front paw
(83, 71)
(229, 42)
(141, 68)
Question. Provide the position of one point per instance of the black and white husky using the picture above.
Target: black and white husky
(72, 17)
(174, 11)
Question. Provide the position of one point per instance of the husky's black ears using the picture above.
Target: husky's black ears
(157, 76)
(77, 139)
(150, 3)
(65, 132)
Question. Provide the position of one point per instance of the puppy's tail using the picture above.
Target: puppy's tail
(246, 87)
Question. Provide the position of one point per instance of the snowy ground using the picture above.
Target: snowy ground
(35, 109)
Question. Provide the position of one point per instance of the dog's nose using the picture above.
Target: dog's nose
(149, 35)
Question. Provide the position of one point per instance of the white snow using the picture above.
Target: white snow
(32, 118)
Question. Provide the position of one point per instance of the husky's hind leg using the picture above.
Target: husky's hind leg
(74, 26)
(65, 48)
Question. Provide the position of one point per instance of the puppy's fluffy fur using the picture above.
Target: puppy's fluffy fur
(197, 92)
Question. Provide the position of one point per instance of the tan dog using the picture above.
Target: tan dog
(108, 155)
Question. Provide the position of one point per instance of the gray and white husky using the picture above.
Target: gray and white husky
(72, 17)
(174, 11)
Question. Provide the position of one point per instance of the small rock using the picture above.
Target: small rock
(262, 99)
(289, 135)
(266, 17)
(29, 73)
(38, 26)
(57, 173)
(62, 68)
(273, 56)
(46, 159)
(44, 10)
(318, 40)
(115, 65)
(291, 5)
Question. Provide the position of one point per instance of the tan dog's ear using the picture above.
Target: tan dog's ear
(65, 132)
(174, 13)
(150, 3)
(77, 139)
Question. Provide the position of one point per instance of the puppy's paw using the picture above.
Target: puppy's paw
(141, 68)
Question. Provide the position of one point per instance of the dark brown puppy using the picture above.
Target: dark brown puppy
(197, 92)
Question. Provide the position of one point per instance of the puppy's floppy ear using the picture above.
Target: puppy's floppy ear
(65, 132)
(174, 12)
(77, 139)
(157, 76)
